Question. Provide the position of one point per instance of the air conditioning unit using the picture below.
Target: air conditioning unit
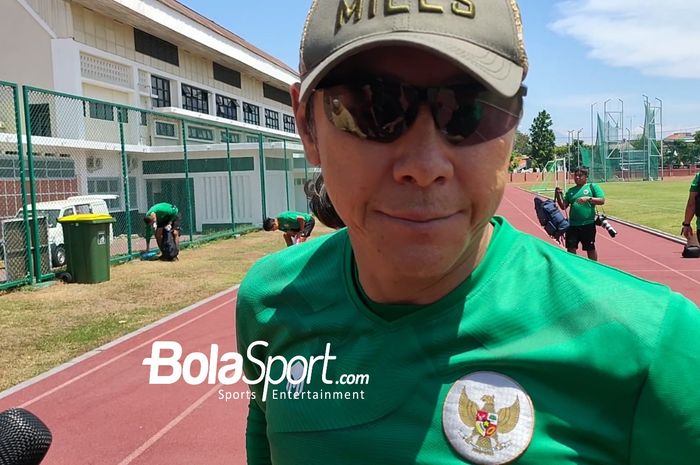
(93, 163)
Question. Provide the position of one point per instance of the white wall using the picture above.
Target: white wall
(26, 47)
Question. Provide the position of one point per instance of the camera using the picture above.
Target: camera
(602, 221)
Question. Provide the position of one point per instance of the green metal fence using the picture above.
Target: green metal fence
(85, 156)
(15, 237)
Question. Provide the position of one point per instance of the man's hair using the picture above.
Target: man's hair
(581, 169)
(268, 224)
(147, 219)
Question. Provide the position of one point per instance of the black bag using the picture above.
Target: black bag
(169, 250)
(691, 251)
(549, 216)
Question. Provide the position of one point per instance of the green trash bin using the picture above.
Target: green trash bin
(87, 241)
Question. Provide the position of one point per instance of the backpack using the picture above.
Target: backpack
(551, 218)
(169, 249)
(691, 251)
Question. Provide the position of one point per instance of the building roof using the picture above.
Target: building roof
(686, 136)
(222, 31)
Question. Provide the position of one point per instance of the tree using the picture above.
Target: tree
(521, 149)
(542, 139)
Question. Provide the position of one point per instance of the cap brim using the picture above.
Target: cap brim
(494, 71)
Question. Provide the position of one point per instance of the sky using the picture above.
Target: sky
(584, 55)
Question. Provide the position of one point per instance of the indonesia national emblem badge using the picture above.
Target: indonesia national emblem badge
(488, 418)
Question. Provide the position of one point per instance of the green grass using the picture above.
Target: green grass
(656, 204)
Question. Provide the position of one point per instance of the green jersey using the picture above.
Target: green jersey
(523, 362)
(165, 212)
(582, 213)
(287, 221)
(694, 183)
(694, 188)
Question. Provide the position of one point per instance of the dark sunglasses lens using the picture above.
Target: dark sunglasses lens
(383, 111)
(380, 111)
(470, 116)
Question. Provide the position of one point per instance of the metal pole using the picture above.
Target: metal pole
(592, 140)
(32, 186)
(188, 198)
(23, 187)
(606, 138)
(230, 178)
(286, 172)
(661, 136)
(125, 180)
(578, 146)
(646, 131)
(622, 129)
(261, 154)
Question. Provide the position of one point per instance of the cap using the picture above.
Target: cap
(484, 37)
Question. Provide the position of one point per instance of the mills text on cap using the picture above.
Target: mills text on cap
(484, 37)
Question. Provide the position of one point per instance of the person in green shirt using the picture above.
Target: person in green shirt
(582, 198)
(158, 217)
(427, 330)
(691, 210)
(296, 226)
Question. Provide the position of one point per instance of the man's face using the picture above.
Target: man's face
(419, 203)
(580, 178)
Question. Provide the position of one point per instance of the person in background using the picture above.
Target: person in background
(582, 198)
(159, 216)
(296, 226)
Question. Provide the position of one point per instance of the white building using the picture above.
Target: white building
(157, 55)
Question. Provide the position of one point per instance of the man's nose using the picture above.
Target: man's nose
(422, 156)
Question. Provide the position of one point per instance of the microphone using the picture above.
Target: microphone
(24, 438)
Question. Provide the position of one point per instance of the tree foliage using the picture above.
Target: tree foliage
(542, 140)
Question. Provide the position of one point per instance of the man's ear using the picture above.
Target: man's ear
(304, 126)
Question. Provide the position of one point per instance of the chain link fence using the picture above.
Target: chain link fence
(92, 156)
(15, 237)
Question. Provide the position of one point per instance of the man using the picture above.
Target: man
(161, 216)
(297, 226)
(582, 198)
(690, 211)
(429, 330)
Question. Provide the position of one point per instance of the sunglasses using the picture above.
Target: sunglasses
(382, 110)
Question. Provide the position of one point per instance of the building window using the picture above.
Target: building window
(288, 122)
(195, 99)
(272, 119)
(155, 47)
(196, 132)
(227, 75)
(160, 92)
(165, 129)
(226, 107)
(252, 139)
(40, 119)
(278, 95)
(113, 186)
(233, 137)
(101, 111)
(251, 114)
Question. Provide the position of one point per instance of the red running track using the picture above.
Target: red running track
(102, 410)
